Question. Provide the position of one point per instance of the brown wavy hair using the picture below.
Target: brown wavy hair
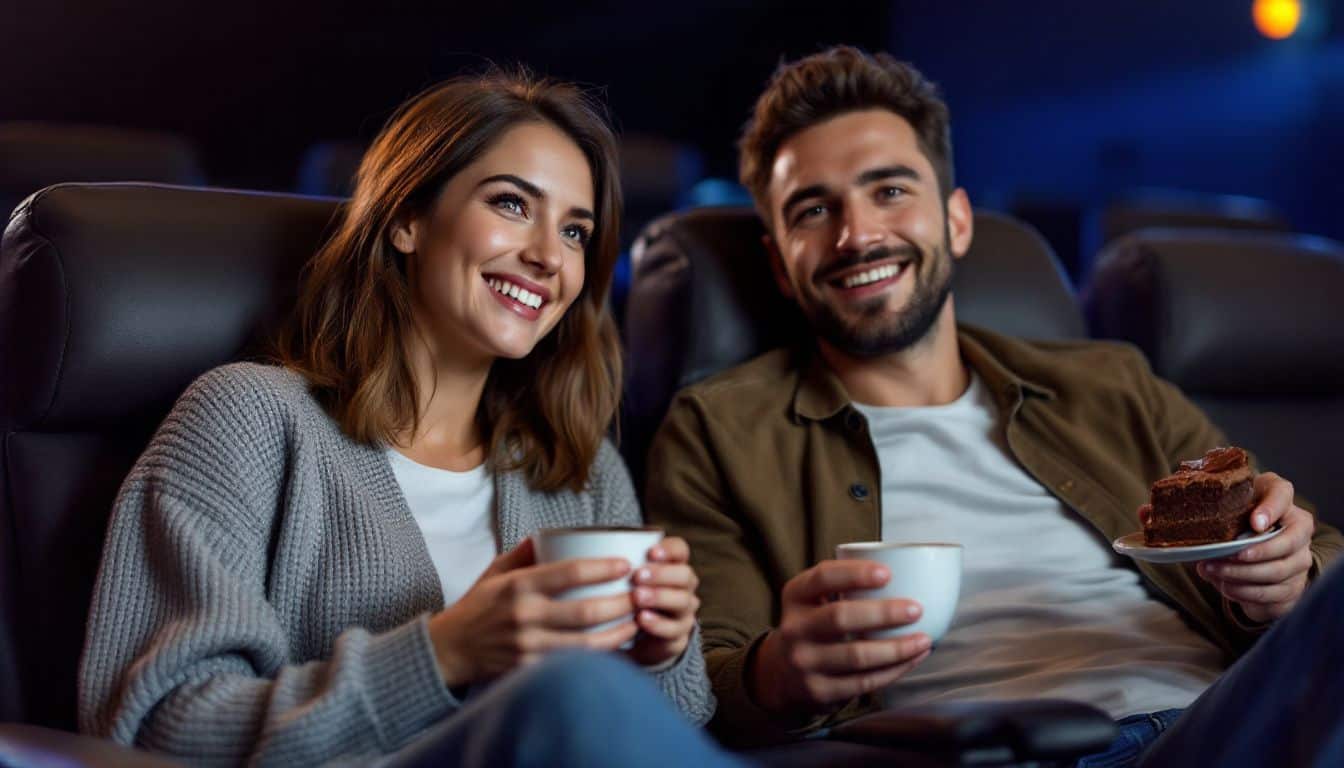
(546, 413)
(842, 79)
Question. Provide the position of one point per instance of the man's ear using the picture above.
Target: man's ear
(402, 234)
(777, 266)
(960, 222)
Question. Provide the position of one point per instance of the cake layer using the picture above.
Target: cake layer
(1190, 533)
(1200, 500)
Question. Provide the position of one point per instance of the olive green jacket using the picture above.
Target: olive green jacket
(765, 468)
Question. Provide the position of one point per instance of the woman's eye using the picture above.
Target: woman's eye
(578, 234)
(510, 202)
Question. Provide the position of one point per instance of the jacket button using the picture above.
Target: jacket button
(854, 421)
(859, 491)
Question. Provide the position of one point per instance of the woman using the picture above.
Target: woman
(278, 562)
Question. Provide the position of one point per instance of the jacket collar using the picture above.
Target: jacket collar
(819, 394)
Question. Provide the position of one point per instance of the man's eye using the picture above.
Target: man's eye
(810, 212)
(891, 193)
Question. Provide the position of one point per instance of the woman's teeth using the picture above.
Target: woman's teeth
(872, 275)
(522, 295)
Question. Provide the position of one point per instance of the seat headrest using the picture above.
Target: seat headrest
(701, 278)
(113, 297)
(1159, 209)
(702, 299)
(37, 155)
(1220, 312)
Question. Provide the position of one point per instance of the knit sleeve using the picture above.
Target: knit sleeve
(184, 653)
(684, 682)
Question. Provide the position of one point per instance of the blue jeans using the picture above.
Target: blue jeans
(570, 710)
(1280, 704)
(1137, 734)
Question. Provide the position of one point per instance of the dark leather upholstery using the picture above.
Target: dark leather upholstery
(1251, 326)
(37, 155)
(1157, 209)
(702, 299)
(113, 298)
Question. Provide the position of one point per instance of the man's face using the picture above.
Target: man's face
(861, 236)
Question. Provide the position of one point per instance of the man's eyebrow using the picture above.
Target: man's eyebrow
(577, 212)
(799, 195)
(887, 172)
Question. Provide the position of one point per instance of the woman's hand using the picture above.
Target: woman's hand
(665, 599)
(509, 618)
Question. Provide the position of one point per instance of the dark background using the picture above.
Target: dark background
(1059, 101)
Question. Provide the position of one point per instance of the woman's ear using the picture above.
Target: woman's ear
(403, 234)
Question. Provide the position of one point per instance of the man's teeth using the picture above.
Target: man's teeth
(872, 275)
(522, 295)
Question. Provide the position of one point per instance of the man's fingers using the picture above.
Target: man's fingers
(554, 578)
(1274, 497)
(843, 617)
(1298, 527)
(842, 687)
(831, 576)
(1265, 572)
(847, 658)
(1261, 594)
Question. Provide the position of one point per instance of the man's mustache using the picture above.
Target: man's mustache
(880, 253)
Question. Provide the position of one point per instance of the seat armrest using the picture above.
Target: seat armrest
(991, 731)
(31, 746)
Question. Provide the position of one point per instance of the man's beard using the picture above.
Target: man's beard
(873, 333)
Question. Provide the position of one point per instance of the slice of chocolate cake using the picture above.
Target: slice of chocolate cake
(1204, 501)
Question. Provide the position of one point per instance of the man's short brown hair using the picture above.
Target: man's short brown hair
(839, 80)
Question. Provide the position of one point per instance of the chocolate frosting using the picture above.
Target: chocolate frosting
(1217, 460)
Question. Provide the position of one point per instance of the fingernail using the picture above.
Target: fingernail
(912, 610)
(1261, 521)
(657, 553)
(925, 642)
(644, 574)
(879, 574)
(1248, 554)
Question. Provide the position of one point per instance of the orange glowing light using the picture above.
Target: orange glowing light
(1277, 19)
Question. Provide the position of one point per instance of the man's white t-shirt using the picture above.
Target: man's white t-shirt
(455, 513)
(1046, 608)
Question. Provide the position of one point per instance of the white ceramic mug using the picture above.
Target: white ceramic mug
(926, 572)
(631, 544)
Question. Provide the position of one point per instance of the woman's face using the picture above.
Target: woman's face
(499, 256)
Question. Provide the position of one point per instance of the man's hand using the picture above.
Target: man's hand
(808, 665)
(1267, 579)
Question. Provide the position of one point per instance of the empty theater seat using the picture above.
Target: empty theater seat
(1247, 324)
(37, 155)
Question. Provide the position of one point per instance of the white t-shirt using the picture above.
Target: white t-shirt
(1046, 609)
(455, 513)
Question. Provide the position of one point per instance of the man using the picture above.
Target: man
(894, 423)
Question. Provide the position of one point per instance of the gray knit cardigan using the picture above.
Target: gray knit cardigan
(264, 591)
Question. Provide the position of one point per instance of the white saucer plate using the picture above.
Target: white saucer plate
(1131, 545)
